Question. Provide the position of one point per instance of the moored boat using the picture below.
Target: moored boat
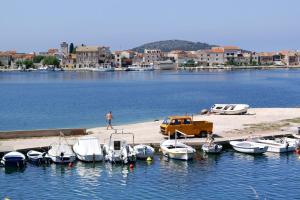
(230, 109)
(88, 149)
(143, 151)
(249, 147)
(118, 150)
(276, 146)
(177, 150)
(14, 159)
(37, 157)
(212, 148)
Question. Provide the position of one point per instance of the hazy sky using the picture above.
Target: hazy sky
(261, 25)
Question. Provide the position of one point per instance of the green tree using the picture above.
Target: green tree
(51, 60)
(19, 63)
(190, 63)
(38, 59)
(28, 63)
(71, 48)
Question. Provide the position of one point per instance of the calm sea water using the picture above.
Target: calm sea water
(38, 100)
(230, 175)
(80, 99)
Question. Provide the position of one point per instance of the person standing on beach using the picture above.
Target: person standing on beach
(109, 118)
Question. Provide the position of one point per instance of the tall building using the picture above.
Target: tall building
(64, 48)
(92, 56)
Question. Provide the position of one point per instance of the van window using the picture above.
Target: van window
(166, 121)
(175, 122)
(186, 121)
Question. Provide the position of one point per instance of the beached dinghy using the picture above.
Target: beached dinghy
(14, 159)
(61, 152)
(230, 109)
(177, 150)
(118, 150)
(37, 157)
(249, 147)
(212, 148)
(143, 151)
(88, 149)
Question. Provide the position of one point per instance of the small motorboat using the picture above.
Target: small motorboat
(276, 145)
(14, 159)
(143, 151)
(212, 148)
(177, 150)
(249, 147)
(37, 157)
(88, 149)
(230, 109)
(61, 152)
(118, 150)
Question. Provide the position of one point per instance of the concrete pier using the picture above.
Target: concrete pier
(258, 122)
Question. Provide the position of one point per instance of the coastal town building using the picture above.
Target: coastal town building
(92, 56)
(123, 58)
(5, 59)
(152, 55)
(64, 48)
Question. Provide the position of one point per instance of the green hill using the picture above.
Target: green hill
(170, 45)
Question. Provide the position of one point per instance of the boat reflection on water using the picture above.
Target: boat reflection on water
(89, 172)
(11, 170)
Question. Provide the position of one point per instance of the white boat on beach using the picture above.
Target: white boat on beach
(61, 152)
(249, 147)
(212, 148)
(177, 150)
(230, 109)
(118, 150)
(88, 149)
(14, 159)
(143, 151)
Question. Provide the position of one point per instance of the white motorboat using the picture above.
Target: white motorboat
(14, 159)
(61, 153)
(141, 67)
(88, 149)
(295, 142)
(103, 68)
(118, 150)
(165, 65)
(177, 150)
(230, 109)
(37, 157)
(249, 147)
(143, 151)
(212, 148)
(276, 146)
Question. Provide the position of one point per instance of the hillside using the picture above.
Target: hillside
(169, 45)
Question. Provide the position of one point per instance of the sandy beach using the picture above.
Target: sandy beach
(258, 121)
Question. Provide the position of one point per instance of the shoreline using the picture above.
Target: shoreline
(258, 121)
(266, 67)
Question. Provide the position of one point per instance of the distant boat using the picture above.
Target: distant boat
(230, 109)
(88, 149)
(14, 159)
(141, 67)
(102, 68)
(213, 148)
(118, 150)
(37, 157)
(143, 151)
(249, 147)
(165, 65)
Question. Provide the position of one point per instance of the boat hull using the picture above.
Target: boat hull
(90, 158)
(178, 156)
(249, 147)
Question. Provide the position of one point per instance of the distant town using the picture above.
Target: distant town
(101, 58)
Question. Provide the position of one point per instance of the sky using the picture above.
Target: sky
(259, 25)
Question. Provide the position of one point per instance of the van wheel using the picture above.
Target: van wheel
(203, 134)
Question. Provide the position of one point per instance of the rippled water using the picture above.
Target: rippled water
(37, 100)
(230, 175)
